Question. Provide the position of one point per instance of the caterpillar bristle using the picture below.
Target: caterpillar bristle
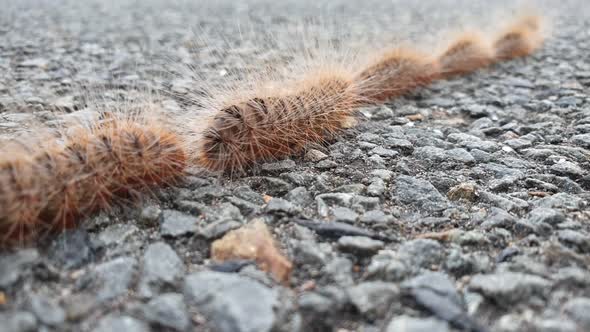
(277, 125)
(23, 193)
(58, 185)
(394, 74)
(467, 54)
(520, 40)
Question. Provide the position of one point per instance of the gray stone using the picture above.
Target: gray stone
(47, 311)
(225, 212)
(383, 174)
(326, 164)
(19, 321)
(509, 288)
(460, 155)
(168, 310)
(339, 271)
(376, 188)
(508, 203)
(437, 282)
(382, 113)
(373, 298)
(114, 278)
(567, 168)
(546, 215)
(432, 155)
(315, 303)
(150, 214)
(175, 223)
(555, 325)
(13, 265)
(117, 233)
(280, 166)
(383, 152)
(578, 309)
(364, 203)
(562, 201)
(72, 249)
(161, 267)
(422, 253)
(344, 214)
(419, 193)
(518, 143)
(232, 303)
(279, 205)
(575, 239)
(410, 324)
(218, 228)
(376, 217)
(299, 196)
(498, 218)
(582, 140)
(315, 155)
(121, 323)
(311, 253)
(359, 244)
(387, 267)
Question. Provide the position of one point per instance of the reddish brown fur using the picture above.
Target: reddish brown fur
(520, 40)
(468, 54)
(275, 126)
(394, 74)
(59, 185)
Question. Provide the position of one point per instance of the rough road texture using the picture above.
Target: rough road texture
(469, 200)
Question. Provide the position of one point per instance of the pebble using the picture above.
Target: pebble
(121, 323)
(47, 311)
(161, 268)
(373, 298)
(419, 193)
(577, 309)
(13, 265)
(168, 310)
(114, 278)
(232, 303)
(359, 244)
(412, 324)
(175, 224)
(19, 321)
(508, 288)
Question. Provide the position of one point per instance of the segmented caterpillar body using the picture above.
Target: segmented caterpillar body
(272, 126)
(395, 73)
(468, 53)
(59, 184)
(519, 40)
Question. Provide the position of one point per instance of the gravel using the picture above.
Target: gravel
(463, 206)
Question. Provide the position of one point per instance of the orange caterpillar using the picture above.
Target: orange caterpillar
(278, 124)
(519, 40)
(396, 73)
(400, 71)
(50, 188)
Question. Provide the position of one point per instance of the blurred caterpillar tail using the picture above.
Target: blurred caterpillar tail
(58, 185)
(277, 125)
(519, 40)
(394, 74)
(467, 54)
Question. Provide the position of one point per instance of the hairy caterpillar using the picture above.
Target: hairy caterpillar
(395, 73)
(520, 39)
(272, 125)
(468, 53)
(51, 187)
(276, 125)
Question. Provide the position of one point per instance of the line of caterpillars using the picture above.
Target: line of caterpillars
(52, 186)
